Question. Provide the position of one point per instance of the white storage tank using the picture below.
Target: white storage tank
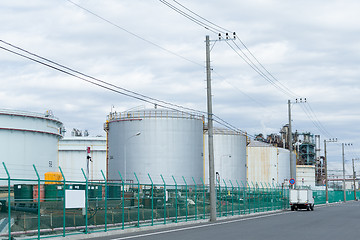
(73, 156)
(229, 157)
(29, 138)
(268, 164)
(155, 142)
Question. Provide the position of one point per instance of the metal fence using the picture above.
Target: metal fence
(36, 208)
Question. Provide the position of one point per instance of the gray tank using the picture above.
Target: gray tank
(229, 157)
(155, 142)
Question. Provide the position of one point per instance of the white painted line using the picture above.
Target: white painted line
(200, 226)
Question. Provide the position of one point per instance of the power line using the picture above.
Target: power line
(133, 34)
(209, 25)
(106, 85)
(218, 29)
(98, 80)
(198, 22)
(257, 70)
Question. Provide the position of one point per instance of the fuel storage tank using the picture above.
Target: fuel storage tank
(73, 156)
(29, 138)
(155, 142)
(229, 156)
(268, 164)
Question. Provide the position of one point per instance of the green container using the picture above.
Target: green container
(114, 192)
(95, 192)
(54, 192)
(23, 192)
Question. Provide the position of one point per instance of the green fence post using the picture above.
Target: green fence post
(274, 197)
(195, 199)
(254, 195)
(186, 201)
(262, 197)
(226, 194)
(246, 194)
(232, 198)
(102, 173)
(38, 177)
(219, 198)
(239, 196)
(164, 198)
(176, 200)
(267, 196)
(204, 196)
(138, 183)
(86, 202)
(9, 201)
(123, 201)
(152, 200)
(64, 203)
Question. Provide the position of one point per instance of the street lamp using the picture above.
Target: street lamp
(126, 141)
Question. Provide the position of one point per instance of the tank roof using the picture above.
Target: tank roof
(152, 113)
(47, 115)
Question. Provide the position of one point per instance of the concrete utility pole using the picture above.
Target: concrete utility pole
(354, 176)
(292, 162)
(353, 165)
(210, 132)
(326, 175)
(343, 162)
(326, 169)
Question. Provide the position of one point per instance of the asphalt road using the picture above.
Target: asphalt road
(339, 221)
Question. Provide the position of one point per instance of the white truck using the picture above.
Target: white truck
(301, 199)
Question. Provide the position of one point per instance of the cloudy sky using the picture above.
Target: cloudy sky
(311, 48)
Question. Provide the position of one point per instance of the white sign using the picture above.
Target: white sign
(74, 198)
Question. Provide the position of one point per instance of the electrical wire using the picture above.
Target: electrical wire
(139, 96)
(218, 29)
(208, 27)
(108, 86)
(198, 22)
(133, 34)
(211, 26)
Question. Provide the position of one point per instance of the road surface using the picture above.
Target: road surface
(338, 221)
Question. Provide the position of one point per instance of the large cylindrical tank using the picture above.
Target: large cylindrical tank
(155, 142)
(268, 164)
(73, 156)
(283, 173)
(27, 139)
(229, 157)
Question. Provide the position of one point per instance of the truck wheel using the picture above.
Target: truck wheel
(312, 207)
(292, 208)
(308, 208)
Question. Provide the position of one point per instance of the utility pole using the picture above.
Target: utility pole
(326, 175)
(290, 139)
(343, 162)
(353, 165)
(210, 132)
(292, 162)
(326, 169)
(354, 176)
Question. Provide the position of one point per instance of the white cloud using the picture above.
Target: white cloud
(311, 47)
